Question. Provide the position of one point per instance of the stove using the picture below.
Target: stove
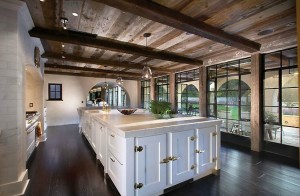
(31, 123)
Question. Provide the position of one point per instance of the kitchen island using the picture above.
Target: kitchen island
(144, 156)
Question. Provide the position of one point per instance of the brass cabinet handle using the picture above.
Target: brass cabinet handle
(112, 159)
(193, 167)
(166, 160)
(138, 185)
(199, 151)
(138, 149)
(193, 138)
(174, 158)
(112, 135)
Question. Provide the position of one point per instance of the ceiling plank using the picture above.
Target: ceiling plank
(88, 40)
(93, 75)
(164, 15)
(112, 63)
(103, 71)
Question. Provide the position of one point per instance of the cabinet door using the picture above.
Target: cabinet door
(182, 156)
(94, 135)
(149, 169)
(206, 148)
(102, 145)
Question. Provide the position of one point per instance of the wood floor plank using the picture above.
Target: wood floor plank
(65, 165)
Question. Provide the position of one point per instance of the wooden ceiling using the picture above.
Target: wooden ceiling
(185, 34)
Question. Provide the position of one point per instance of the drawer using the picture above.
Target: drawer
(115, 171)
(117, 146)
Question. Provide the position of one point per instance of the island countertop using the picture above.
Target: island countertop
(141, 124)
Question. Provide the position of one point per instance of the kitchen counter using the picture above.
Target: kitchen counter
(143, 155)
(141, 124)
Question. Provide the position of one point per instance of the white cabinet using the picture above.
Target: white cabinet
(45, 119)
(182, 156)
(100, 141)
(145, 161)
(150, 171)
(206, 150)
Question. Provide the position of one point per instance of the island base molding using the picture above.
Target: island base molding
(17, 187)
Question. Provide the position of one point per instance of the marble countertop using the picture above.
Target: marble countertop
(141, 124)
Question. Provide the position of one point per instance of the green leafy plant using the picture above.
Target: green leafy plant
(160, 107)
(270, 118)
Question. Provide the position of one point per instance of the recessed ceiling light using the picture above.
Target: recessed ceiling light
(63, 45)
(265, 32)
(74, 14)
(42, 0)
(63, 57)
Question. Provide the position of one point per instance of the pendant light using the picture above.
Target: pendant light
(105, 85)
(119, 79)
(146, 72)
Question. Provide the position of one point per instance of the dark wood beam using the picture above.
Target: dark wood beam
(77, 59)
(87, 69)
(156, 12)
(84, 74)
(85, 39)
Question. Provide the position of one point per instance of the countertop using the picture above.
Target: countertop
(141, 124)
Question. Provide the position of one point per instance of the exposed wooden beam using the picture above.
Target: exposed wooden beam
(84, 74)
(89, 40)
(175, 19)
(72, 58)
(87, 69)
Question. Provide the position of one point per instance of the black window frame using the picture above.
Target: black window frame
(145, 87)
(161, 83)
(49, 92)
(213, 74)
(182, 77)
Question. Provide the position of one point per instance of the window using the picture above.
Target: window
(145, 94)
(229, 95)
(187, 93)
(54, 91)
(162, 88)
(114, 95)
(280, 92)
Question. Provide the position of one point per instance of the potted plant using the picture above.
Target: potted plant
(160, 108)
(173, 113)
(270, 120)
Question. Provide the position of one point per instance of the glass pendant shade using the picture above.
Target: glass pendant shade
(146, 73)
(105, 85)
(119, 80)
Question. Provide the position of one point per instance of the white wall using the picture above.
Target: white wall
(16, 51)
(74, 92)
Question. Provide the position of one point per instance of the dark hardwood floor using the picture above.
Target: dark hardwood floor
(66, 165)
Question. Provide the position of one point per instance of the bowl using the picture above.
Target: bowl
(127, 111)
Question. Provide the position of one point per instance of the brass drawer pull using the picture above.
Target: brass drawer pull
(174, 158)
(138, 185)
(112, 135)
(199, 151)
(166, 160)
(112, 159)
